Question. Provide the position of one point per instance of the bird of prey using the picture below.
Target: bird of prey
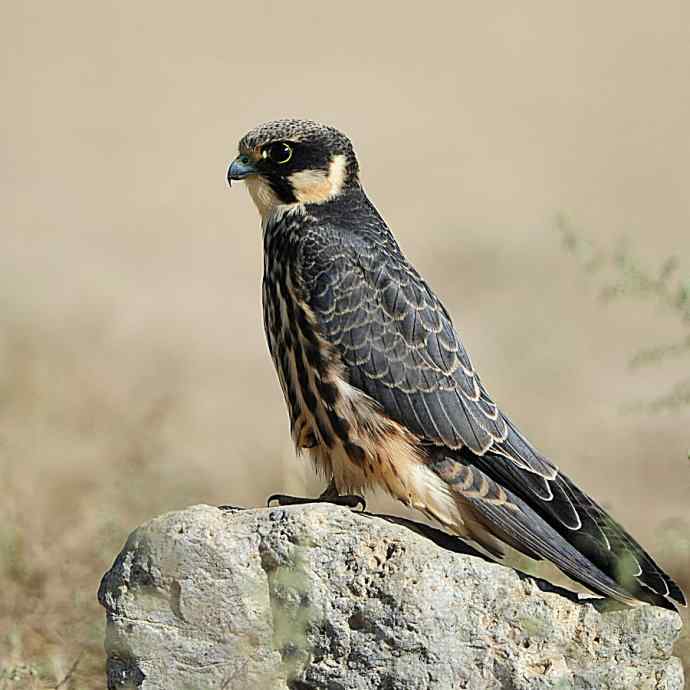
(380, 390)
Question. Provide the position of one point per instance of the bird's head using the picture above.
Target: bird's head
(290, 162)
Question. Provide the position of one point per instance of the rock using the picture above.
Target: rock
(317, 596)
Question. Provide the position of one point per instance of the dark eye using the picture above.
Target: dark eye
(279, 152)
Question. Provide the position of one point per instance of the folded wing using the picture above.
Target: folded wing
(398, 345)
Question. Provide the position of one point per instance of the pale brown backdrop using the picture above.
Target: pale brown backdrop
(133, 372)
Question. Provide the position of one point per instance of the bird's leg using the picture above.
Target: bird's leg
(330, 495)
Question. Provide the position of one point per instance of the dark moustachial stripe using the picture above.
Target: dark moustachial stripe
(282, 188)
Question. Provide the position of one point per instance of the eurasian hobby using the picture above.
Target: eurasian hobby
(380, 389)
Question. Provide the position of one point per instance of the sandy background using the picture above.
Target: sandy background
(134, 377)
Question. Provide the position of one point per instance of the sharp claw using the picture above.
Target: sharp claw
(283, 500)
(349, 501)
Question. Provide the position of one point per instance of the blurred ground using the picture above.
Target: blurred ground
(134, 378)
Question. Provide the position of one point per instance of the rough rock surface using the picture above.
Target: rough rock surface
(319, 597)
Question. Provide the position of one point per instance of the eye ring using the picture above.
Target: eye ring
(280, 152)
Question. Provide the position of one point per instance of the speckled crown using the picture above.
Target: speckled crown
(307, 131)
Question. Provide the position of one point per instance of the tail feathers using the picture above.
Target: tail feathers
(516, 524)
(612, 549)
(569, 529)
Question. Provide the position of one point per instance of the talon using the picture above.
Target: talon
(348, 501)
(283, 500)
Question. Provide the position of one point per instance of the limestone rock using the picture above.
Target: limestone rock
(317, 596)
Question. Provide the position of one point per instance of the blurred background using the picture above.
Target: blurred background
(134, 378)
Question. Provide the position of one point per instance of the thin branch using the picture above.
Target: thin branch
(70, 672)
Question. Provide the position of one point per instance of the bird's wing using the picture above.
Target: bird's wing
(401, 348)
(398, 345)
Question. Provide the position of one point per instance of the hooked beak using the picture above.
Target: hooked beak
(240, 168)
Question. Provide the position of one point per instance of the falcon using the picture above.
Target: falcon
(380, 390)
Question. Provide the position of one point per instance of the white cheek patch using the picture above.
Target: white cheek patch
(337, 172)
(310, 186)
(317, 186)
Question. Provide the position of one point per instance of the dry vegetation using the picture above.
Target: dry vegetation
(81, 453)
